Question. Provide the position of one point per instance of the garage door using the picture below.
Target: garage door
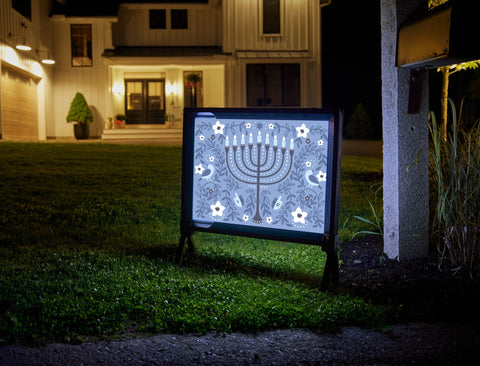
(19, 105)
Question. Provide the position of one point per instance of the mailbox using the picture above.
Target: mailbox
(444, 36)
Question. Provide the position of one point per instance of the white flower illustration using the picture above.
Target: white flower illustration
(299, 216)
(199, 169)
(248, 125)
(245, 218)
(218, 128)
(302, 131)
(271, 126)
(269, 219)
(320, 142)
(321, 176)
(308, 164)
(201, 137)
(217, 209)
(211, 158)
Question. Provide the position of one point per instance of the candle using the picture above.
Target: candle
(250, 139)
(243, 139)
(259, 138)
(226, 142)
(275, 143)
(291, 144)
(283, 142)
(234, 140)
(267, 140)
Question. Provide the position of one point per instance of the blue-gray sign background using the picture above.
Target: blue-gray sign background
(271, 187)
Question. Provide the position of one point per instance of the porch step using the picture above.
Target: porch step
(144, 133)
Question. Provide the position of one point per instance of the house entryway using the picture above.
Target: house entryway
(145, 101)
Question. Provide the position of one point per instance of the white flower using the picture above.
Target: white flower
(218, 128)
(320, 142)
(245, 218)
(271, 126)
(269, 219)
(308, 164)
(217, 209)
(302, 131)
(211, 158)
(199, 169)
(248, 125)
(321, 176)
(201, 137)
(299, 215)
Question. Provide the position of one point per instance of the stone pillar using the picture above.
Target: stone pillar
(405, 184)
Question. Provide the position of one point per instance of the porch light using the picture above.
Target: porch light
(118, 89)
(172, 88)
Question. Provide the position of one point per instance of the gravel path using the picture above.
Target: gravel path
(413, 343)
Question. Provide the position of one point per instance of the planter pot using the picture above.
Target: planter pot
(81, 131)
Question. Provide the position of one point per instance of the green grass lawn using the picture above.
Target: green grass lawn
(88, 234)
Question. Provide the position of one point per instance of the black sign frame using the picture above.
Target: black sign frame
(328, 239)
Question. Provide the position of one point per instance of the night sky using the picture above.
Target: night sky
(351, 58)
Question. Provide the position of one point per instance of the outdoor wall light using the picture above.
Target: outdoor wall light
(22, 45)
(172, 89)
(46, 60)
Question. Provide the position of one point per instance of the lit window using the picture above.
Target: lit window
(158, 19)
(81, 44)
(179, 18)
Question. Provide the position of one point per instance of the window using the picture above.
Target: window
(81, 44)
(179, 18)
(271, 16)
(273, 85)
(158, 19)
(24, 7)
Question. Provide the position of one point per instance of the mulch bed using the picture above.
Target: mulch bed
(418, 288)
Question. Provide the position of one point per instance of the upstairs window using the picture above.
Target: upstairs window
(271, 16)
(158, 19)
(179, 19)
(24, 7)
(81, 45)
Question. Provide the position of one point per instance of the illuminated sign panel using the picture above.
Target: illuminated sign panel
(269, 173)
(261, 172)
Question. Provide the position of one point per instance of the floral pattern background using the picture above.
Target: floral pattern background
(296, 202)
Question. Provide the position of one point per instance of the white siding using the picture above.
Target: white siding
(242, 26)
(92, 81)
(133, 28)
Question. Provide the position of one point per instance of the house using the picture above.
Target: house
(147, 60)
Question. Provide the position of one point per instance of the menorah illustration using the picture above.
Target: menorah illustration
(263, 170)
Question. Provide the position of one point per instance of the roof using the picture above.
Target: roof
(163, 51)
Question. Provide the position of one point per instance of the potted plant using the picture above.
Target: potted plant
(120, 121)
(81, 115)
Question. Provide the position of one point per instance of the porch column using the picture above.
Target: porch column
(405, 184)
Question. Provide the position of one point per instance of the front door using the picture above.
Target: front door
(145, 101)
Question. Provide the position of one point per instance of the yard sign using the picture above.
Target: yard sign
(264, 173)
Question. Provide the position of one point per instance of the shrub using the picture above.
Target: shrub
(455, 179)
(360, 125)
(79, 110)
